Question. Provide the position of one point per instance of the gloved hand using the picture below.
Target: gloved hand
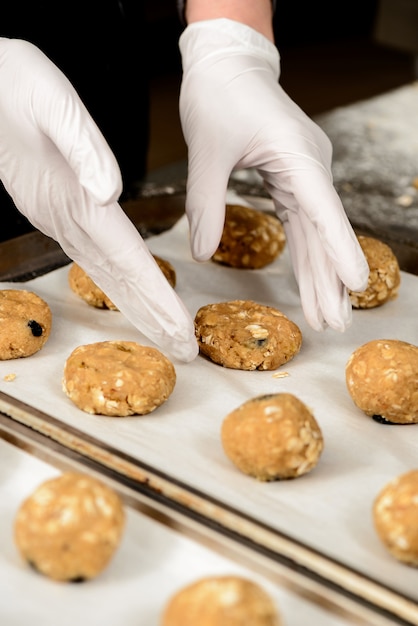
(234, 115)
(62, 176)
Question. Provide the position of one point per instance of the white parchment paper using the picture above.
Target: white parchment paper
(330, 508)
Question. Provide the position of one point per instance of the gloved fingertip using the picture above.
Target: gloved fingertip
(201, 255)
(205, 235)
(185, 352)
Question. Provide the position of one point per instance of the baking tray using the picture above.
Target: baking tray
(157, 557)
(318, 526)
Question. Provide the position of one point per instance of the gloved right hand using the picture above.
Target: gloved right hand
(235, 115)
(63, 177)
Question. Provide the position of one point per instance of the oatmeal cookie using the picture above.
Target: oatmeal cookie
(272, 437)
(242, 334)
(381, 377)
(25, 323)
(87, 289)
(70, 527)
(82, 285)
(384, 277)
(221, 600)
(395, 517)
(250, 239)
(118, 378)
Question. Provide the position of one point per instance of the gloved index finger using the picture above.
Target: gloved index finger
(120, 263)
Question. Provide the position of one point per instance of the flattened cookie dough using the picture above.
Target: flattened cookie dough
(250, 239)
(70, 527)
(118, 378)
(272, 437)
(384, 277)
(87, 289)
(221, 601)
(381, 377)
(395, 517)
(25, 323)
(242, 334)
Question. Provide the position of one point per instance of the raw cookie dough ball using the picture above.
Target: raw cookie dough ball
(384, 277)
(221, 601)
(167, 269)
(118, 378)
(25, 323)
(272, 437)
(70, 527)
(250, 239)
(395, 516)
(381, 377)
(242, 334)
(87, 289)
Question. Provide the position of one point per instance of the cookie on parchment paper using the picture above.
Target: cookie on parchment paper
(251, 239)
(395, 517)
(87, 289)
(25, 323)
(242, 334)
(381, 378)
(69, 528)
(272, 437)
(118, 378)
(384, 277)
(221, 600)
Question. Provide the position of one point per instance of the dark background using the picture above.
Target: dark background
(122, 56)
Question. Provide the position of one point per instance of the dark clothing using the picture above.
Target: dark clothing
(100, 46)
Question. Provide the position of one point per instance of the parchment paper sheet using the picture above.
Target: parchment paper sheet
(330, 508)
(150, 565)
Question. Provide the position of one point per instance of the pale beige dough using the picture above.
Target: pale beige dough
(395, 517)
(272, 437)
(381, 378)
(242, 334)
(70, 527)
(25, 323)
(384, 277)
(118, 378)
(87, 289)
(221, 601)
(251, 239)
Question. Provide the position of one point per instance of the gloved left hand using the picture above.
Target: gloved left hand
(62, 176)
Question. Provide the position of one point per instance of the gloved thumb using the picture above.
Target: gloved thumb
(205, 205)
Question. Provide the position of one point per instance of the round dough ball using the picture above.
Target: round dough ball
(70, 527)
(272, 437)
(118, 378)
(381, 378)
(242, 334)
(221, 601)
(250, 239)
(87, 289)
(384, 277)
(167, 269)
(395, 517)
(25, 323)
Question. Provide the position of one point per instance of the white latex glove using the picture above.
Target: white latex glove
(234, 115)
(62, 176)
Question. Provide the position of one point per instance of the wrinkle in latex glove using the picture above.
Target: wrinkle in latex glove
(63, 177)
(235, 114)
